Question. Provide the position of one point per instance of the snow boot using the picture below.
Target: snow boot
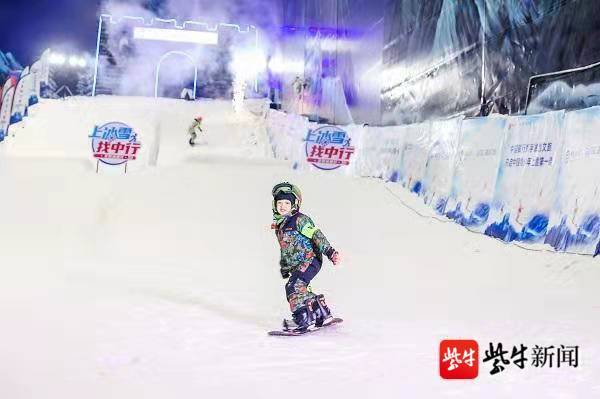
(304, 319)
(322, 313)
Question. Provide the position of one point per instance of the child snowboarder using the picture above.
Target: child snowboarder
(302, 248)
(195, 129)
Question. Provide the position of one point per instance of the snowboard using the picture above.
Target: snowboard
(291, 333)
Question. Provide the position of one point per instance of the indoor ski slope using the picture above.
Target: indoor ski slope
(162, 283)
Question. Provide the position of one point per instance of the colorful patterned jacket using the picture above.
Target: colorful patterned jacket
(195, 127)
(301, 243)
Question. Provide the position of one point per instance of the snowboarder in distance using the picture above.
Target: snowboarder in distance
(195, 129)
(302, 248)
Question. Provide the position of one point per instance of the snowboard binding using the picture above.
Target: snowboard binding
(314, 314)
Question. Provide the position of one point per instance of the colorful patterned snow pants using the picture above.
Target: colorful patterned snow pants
(297, 289)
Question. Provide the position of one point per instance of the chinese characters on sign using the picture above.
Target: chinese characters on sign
(328, 148)
(459, 358)
(578, 154)
(115, 143)
(519, 159)
(483, 152)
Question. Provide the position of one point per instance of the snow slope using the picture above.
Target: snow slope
(163, 283)
(60, 128)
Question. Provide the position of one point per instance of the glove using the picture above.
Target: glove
(333, 255)
(335, 258)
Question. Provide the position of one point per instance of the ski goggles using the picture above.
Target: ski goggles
(284, 188)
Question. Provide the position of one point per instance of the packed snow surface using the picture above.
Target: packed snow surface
(163, 282)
